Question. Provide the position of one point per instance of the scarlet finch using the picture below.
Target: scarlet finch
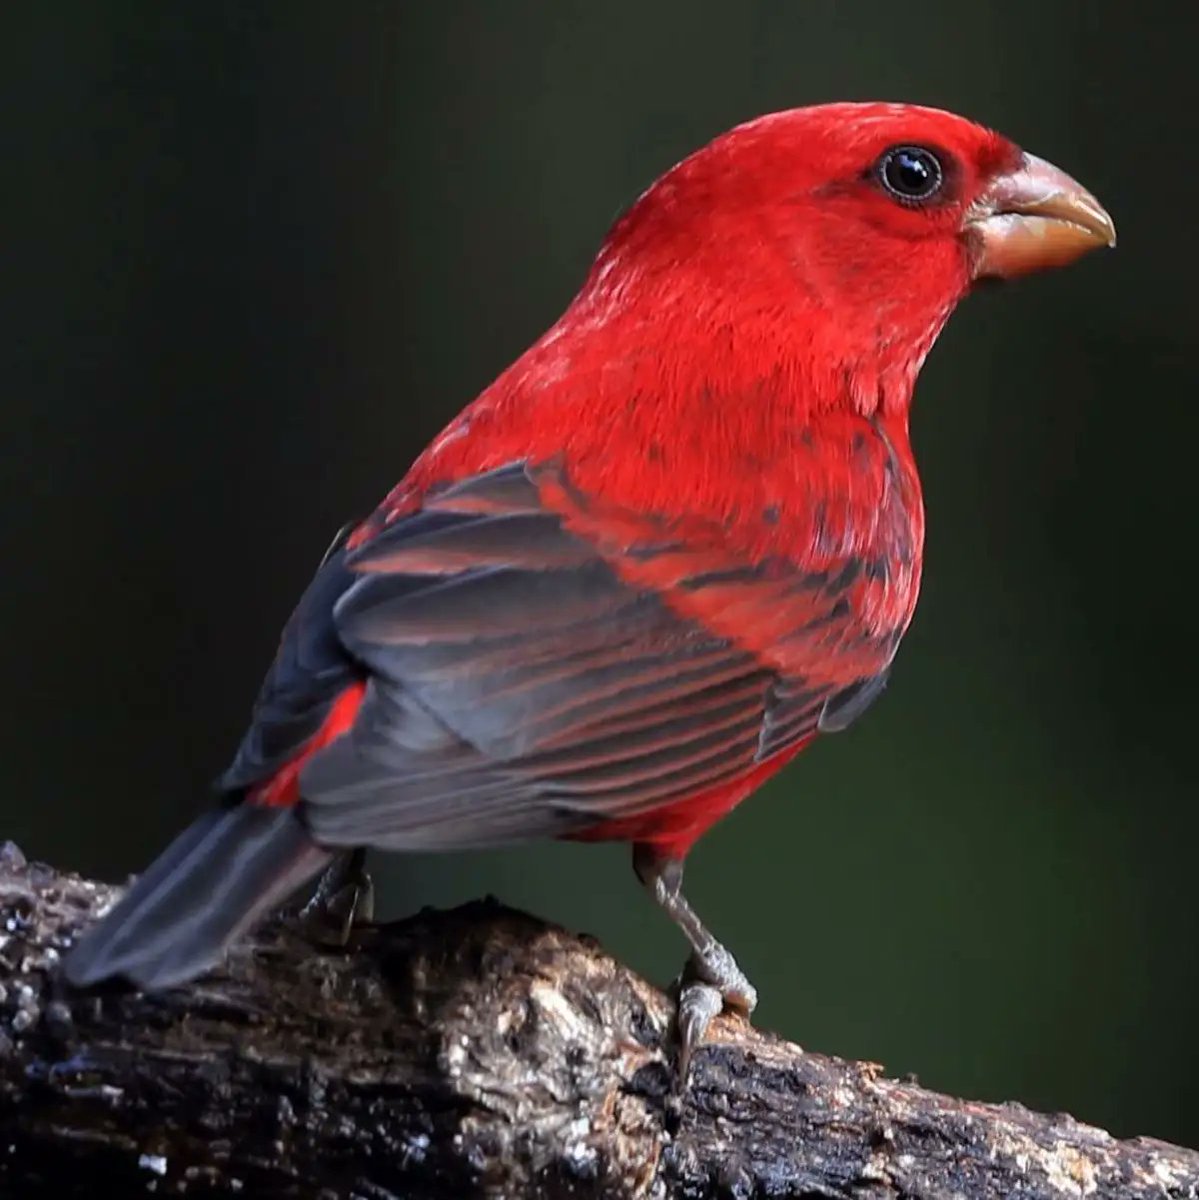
(678, 538)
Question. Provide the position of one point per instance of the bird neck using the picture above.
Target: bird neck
(734, 329)
(678, 387)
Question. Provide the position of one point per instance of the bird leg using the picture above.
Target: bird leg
(711, 980)
(343, 901)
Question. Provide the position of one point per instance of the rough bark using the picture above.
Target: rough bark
(478, 1052)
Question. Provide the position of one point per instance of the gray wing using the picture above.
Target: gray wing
(518, 686)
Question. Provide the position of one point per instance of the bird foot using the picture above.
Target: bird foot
(710, 983)
(344, 901)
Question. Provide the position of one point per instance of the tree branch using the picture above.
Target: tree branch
(477, 1052)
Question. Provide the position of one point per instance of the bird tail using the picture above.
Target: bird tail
(213, 881)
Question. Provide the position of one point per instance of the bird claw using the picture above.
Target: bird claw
(351, 907)
(698, 1004)
(710, 983)
(716, 966)
(344, 901)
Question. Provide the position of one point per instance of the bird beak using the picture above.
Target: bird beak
(1033, 218)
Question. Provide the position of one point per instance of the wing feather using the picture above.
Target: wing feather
(531, 677)
(537, 664)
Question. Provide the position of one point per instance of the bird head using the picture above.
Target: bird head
(856, 226)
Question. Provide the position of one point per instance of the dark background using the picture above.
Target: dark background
(255, 255)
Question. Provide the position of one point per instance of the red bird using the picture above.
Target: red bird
(676, 540)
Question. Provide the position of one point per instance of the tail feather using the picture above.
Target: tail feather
(212, 882)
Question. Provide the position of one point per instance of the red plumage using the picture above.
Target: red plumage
(678, 538)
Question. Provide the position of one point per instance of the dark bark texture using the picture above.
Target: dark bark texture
(473, 1053)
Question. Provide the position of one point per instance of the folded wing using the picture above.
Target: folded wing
(536, 666)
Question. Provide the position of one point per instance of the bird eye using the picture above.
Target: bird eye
(911, 173)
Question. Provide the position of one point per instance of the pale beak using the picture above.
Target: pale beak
(1033, 218)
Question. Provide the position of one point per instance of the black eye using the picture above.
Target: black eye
(911, 173)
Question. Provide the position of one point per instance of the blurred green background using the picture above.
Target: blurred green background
(255, 255)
